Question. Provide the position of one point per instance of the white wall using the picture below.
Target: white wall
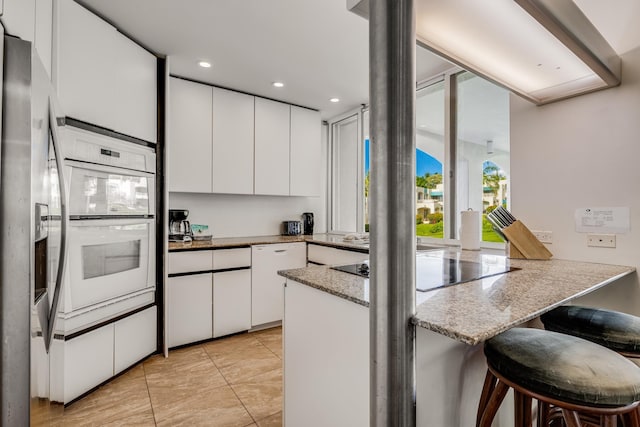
(242, 215)
(577, 153)
(32, 21)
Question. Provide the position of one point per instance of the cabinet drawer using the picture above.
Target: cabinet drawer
(185, 262)
(331, 256)
(231, 258)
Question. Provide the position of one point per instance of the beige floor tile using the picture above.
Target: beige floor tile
(255, 362)
(199, 378)
(261, 394)
(228, 351)
(273, 342)
(274, 420)
(177, 360)
(214, 407)
(123, 401)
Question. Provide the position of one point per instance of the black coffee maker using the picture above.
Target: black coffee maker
(307, 223)
(179, 227)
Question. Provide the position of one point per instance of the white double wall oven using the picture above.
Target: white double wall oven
(111, 262)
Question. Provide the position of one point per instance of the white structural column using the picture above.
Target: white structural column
(392, 45)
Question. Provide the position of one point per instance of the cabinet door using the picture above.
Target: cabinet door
(83, 70)
(135, 338)
(189, 147)
(231, 302)
(305, 152)
(233, 115)
(101, 76)
(136, 90)
(188, 302)
(266, 284)
(88, 361)
(272, 148)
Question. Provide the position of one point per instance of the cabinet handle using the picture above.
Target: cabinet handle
(280, 251)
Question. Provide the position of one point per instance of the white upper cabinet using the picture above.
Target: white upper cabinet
(272, 148)
(101, 76)
(305, 152)
(189, 155)
(233, 115)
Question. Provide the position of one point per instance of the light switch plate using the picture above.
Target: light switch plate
(601, 240)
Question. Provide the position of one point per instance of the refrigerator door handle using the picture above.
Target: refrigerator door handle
(64, 221)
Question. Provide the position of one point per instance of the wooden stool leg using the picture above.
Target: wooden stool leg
(522, 410)
(631, 419)
(490, 381)
(543, 414)
(499, 392)
(571, 418)
(610, 421)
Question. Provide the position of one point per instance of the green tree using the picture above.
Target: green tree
(491, 177)
(366, 184)
(433, 180)
(429, 181)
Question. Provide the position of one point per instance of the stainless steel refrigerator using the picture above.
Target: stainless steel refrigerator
(32, 232)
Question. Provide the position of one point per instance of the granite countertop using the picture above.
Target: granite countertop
(332, 240)
(475, 311)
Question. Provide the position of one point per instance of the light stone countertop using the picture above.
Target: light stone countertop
(332, 240)
(475, 311)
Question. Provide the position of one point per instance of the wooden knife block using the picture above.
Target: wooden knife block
(523, 244)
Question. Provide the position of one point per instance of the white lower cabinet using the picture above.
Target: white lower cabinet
(135, 338)
(88, 361)
(231, 302)
(94, 357)
(189, 309)
(267, 300)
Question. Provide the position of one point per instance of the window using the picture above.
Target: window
(482, 148)
(477, 144)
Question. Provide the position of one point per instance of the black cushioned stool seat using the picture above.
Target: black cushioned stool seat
(617, 331)
(572, 374)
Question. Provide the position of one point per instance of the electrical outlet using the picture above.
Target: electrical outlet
(544, 236)
(601, 240)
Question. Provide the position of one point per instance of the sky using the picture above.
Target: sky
(424, 162)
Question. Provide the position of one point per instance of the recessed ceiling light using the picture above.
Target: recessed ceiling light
(335, 100)
(204, 64)
(278, 84)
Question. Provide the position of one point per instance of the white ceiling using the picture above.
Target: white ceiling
(316, 47)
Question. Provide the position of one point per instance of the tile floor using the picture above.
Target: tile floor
(235, 381)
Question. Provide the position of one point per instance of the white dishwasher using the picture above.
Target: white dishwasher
(267, 294)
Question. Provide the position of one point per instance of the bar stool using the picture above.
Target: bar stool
(573, 375)
(617, 331)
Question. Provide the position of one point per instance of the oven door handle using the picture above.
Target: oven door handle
(64, 222)
(107, 169)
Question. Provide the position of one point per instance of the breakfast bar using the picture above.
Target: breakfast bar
(326, 333)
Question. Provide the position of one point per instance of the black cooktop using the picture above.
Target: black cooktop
(437, 272)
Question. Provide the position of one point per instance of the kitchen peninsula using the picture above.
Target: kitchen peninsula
(326, 335)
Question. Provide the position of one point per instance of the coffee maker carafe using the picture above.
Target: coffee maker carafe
(179, 227)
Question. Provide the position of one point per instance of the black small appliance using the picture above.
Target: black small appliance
(179, 227)
(307, 223)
